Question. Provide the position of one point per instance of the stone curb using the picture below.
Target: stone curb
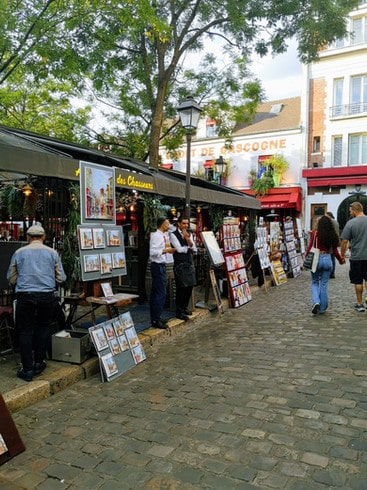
(67, 375)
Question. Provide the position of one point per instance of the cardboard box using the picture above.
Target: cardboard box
(71, 346)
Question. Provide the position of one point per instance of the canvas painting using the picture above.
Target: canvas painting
(97, 188)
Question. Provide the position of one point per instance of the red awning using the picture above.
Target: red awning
(282, 197)
(168, 166)
(330, 181)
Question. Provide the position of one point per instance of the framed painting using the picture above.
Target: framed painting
(97, 191)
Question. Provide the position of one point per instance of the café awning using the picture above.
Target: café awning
(32, 154)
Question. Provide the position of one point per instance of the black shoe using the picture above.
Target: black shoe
(159, 324)
(187, 312)
(163, 320)
(39, 367)
(332, 276)
(25, 375)
(182, 316)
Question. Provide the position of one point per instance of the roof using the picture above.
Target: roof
(266, 120)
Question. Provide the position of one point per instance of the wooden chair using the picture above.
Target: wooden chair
(7, 330)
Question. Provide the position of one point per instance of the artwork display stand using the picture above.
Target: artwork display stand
(261, 246)
(291, 249)
(117, 345)
(10, 441)
(238, 284)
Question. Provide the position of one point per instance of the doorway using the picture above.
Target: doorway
(317, 210)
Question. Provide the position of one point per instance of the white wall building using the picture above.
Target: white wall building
(337, 129)
(277, 128)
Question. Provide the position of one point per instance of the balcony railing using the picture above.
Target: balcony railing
(348, 110)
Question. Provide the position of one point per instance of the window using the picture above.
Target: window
(338, 96)
(358, 94)
(359, 30)
(358, 149)
(211, 128)
(337, 151)
(316, 144)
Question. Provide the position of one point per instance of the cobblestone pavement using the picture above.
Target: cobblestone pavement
(265, 396)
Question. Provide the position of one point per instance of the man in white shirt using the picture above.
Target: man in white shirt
(159, 250)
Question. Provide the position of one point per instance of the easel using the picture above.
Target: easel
(9, 434)
(216, 291)
(262, 270)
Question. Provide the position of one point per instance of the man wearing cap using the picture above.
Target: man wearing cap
(35, 270)
(354, 235)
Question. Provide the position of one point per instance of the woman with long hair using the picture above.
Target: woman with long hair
(326, 239)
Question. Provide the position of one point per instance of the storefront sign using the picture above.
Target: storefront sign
(134, 181)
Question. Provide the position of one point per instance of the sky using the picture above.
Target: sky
(281, 75)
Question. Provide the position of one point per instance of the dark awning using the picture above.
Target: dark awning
(32, 154)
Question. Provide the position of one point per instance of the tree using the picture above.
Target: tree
(132, 54)
(134, 51)
(45, 108)
(31, 98)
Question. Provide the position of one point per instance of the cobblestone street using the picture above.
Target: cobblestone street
(264, 396)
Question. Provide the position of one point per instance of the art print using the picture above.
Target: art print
(114, 347)
(117, 325)
(106, 263)
(85, 238)
(109, 365)
(126, 320)
(98, 187)
(3, 447)
(132, 337)
(138, 354)
(109, 330)
(99, 338)
(118, 260)
(123, 342)
(113, 237)
(91, 263)
(107, 289)
(98, 238)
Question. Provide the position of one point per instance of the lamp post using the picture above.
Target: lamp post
(219, 168)
(189, 112)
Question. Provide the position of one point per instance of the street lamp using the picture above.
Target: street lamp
(189, 112)
(220, 165)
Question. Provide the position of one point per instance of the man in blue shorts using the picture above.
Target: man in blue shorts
(355, 234)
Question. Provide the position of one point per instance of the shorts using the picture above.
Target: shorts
(358, 271)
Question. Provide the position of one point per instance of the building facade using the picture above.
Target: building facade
(336, 172)
(277, 128)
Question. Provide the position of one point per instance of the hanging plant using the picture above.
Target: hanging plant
(216, 214)
(70, 251)
(12, 199)
(153, 209)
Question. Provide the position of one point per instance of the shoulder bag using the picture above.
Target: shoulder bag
(312, 259)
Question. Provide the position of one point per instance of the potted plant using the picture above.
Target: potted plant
(277, 165)
(263, 184)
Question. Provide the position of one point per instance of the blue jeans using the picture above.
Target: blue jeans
(35, 314)
(320, 280)
(158, 291)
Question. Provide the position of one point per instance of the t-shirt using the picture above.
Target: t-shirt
(356, 232)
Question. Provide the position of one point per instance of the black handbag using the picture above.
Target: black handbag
(185, 275)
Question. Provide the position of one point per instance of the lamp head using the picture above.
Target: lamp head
(189, 112)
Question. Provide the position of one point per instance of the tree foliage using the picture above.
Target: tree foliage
(140, 56)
